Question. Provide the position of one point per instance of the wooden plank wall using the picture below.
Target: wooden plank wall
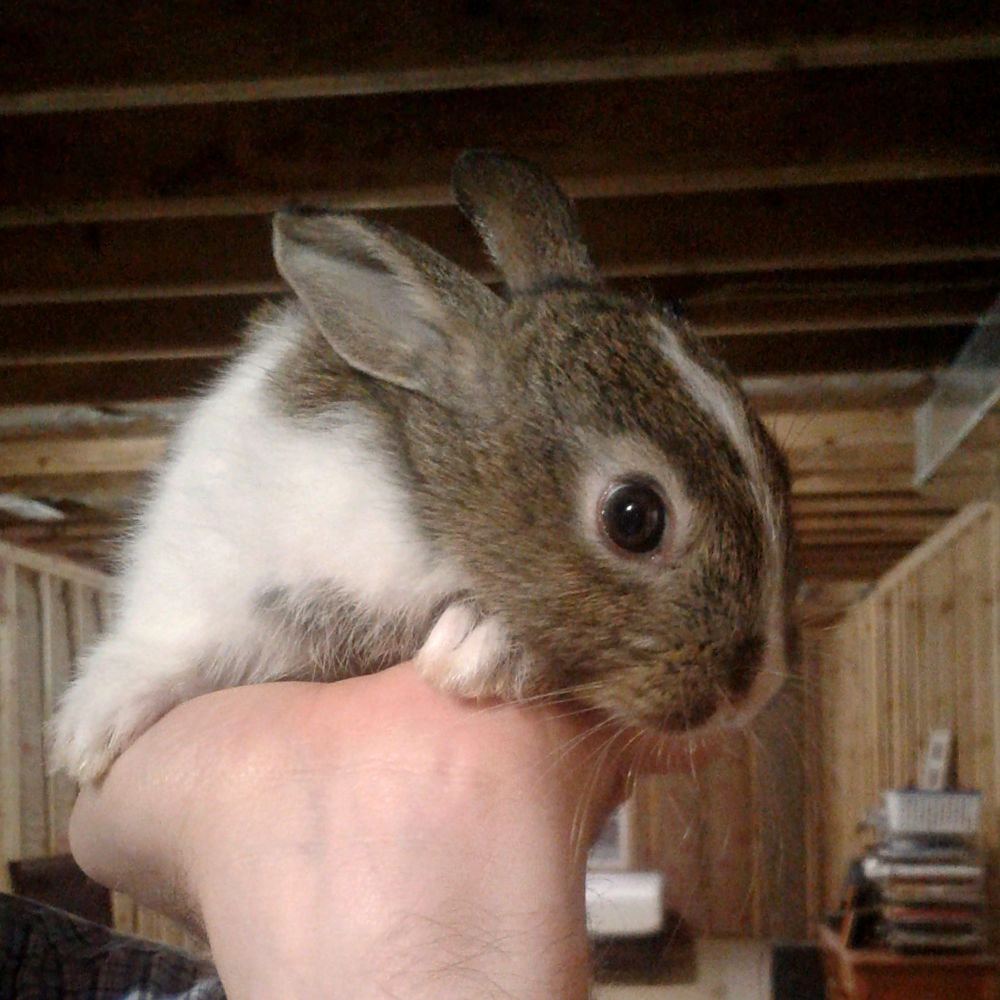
(50, 609)
(920, 651)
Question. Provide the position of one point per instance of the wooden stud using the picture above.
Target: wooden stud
(30, 762)
(10, 784)
(61, 789)
(967, 596)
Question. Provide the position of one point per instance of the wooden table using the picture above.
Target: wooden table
(875, 974)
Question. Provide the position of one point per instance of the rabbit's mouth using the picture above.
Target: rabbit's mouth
(706, 686)
(740, 664)
(697, 710)
(717, 697)
(751, 683)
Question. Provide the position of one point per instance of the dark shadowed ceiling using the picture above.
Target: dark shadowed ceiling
(817, 188)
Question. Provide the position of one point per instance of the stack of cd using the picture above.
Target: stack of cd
(930, 873)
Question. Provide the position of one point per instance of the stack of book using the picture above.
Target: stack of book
(930, 873)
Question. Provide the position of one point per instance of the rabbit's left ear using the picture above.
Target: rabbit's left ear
(527, 223)
(387, 304)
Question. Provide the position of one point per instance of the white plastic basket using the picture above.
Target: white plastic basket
(914, 812)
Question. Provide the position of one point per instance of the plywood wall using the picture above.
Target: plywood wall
(920, 651)
(50, 609)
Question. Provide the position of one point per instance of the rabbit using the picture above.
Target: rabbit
(554, 492)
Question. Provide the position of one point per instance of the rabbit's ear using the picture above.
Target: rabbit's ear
(527, 223)
(388, 305)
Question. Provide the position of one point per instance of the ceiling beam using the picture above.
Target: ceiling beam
(602, 139)
(829, 351)
(104, 383)
(886, 525)
(119, 330)
(776, 303)
(810, 394)
(713, 233)
(60, 57)
(813, 306)
(133, 377)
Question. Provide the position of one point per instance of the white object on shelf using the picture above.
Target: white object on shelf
(935, 768)
(918, 812)
(614, 846)
(624, 904)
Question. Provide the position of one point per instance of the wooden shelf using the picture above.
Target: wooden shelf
(875, 974)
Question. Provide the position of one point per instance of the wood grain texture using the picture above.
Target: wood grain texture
(50, 610)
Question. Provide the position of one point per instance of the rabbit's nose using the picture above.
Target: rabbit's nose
(742, 661)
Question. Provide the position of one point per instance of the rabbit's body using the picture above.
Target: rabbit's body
(562, 495)
(257, 558)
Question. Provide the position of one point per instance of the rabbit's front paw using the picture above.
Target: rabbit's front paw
(470, 656)
(103, 711)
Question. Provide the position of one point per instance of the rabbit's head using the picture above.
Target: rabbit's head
(598, 476)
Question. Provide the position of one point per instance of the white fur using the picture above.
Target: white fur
(713, 396)
(252, 502)
(728, 413)
(467, 654)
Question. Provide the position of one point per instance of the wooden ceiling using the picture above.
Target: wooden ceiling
(818, 189)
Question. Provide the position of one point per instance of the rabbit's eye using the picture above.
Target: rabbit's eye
(634, 516)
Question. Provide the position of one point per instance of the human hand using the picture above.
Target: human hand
(368, 838)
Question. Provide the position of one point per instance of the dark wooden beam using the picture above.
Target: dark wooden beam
(823, 226)
(137, 259)
(841, 350)
(132, 378)
(826, 226)
(611, 139)
(120, 330)
(104, 383)
(771, 303)
(718, 294)
(61, 57)
(769, 307)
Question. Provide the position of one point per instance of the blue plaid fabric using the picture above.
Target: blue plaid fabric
(46, 954)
